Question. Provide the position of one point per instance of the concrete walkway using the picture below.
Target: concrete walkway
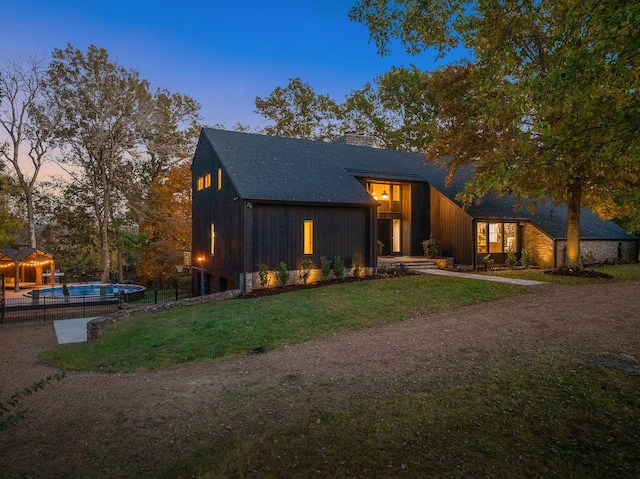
(483, 277)
(71, 330)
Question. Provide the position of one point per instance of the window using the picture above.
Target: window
(219, 178)
(396, 236)
(308, 237)
(388, 195)
(200, 185)
(496, 237)
(207, 180)
(213, 238)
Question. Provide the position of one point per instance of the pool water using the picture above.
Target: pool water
(91, 290)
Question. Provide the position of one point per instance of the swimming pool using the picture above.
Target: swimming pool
(131, 291)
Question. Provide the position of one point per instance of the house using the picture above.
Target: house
(264, 200)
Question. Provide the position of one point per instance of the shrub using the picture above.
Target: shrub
(338, 267)
(380, 247)
(512, 259)
(431, 247)
(282, 274)
(305, 270)
(325, 269)
(525, 259)
(356, 263)
(263, 273)
(487, 261)
(65, 290)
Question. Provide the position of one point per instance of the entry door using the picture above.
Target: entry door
(384, 235)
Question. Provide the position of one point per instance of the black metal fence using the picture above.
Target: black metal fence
(16, 310)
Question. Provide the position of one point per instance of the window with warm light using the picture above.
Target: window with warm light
(213, 238)
(308, 237)
(496, 237)
(207, 180)
(396, 236)
(388, 195)
(200, 184)
(219, 178)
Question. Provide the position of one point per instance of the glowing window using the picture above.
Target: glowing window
(213, 238)
(308, 237)
(200, 183)
(219, 178)
(396, 236)
(207, 180)
(482, 238)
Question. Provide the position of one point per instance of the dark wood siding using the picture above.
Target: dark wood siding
(224, 209)
(337, 231)
(452, 227)
(420, 217)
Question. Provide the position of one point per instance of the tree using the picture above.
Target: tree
(298, 112)
(397, 109)
(9, 222)
(26, 125)
(546, 105)
(115, 133)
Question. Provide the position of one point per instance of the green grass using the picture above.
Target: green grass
(536, 418)
(225, 328)
(624, 272)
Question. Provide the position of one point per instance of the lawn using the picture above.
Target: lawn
(225, 328)
(623, 272)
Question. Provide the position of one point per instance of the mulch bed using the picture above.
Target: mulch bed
(583, 273)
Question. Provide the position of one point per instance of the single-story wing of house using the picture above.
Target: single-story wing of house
(262, 200)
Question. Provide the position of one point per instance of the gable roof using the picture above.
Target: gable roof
(271, 168)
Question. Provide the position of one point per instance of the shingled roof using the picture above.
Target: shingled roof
(271, 168)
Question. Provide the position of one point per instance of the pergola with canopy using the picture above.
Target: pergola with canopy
(16, 264)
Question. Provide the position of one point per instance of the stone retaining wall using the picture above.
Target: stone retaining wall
(252, 280)
(96, 327)
(600, 251)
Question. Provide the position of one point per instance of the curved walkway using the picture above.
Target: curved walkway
(497, 279)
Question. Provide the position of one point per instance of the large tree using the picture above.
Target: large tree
(545, 105)
(116, 134)
(26, 126)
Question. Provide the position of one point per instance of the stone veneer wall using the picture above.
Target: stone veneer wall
(252, 280)
(539, 245)
(602, 251)
(96, 327)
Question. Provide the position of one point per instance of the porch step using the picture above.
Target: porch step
(415, 265)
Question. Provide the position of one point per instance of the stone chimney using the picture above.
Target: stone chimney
(358, 139)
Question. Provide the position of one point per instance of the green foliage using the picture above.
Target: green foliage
(487, 261)
(338, 267)
(282, 274)
(512, 259)
(65, 290)
(10, 413)
(356, 265)
(525, 259)
(325, 269)
(380, 247)
(431, 247)
(263, 273)
(305, 270)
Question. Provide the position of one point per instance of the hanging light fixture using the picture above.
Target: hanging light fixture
(385, 196)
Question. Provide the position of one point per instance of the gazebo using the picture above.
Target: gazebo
(15, 261)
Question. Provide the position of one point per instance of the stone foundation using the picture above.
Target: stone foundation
(252, 280)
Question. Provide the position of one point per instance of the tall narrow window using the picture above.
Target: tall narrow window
(482, 238)
(200, 183)
(207, 180)
(213, 238)
(308, 237)
(219, 178)
(396, 237)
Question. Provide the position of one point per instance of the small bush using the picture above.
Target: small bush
(512, 259)
(356, 264)
(263, 273)
(338, 267)
(525, 258)
(431, 247)
(380, 247)
(282, 274)
(325, 269)
(488, 262)
(305, 270)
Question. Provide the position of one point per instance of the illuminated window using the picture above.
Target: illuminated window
(509, 237)
(388, 195)
(213, 238)
(219, 178)
(496, 237)
(308, 237)
(207, 180)
(396, 236)
(200, 183)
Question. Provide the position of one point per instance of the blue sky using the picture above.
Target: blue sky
(222, 53)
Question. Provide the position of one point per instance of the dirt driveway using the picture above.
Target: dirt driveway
(82, 422)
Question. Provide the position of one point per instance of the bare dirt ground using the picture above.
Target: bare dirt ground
(127, 425)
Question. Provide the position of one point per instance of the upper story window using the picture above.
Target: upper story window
(200, 183)
(308, 237)
(219, 178)
(207, 180)
(389, 195)
(203, 182)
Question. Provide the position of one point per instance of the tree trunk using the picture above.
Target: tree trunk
(572, 258)
(31, 222)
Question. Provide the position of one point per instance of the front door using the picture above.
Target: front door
(389, 234)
